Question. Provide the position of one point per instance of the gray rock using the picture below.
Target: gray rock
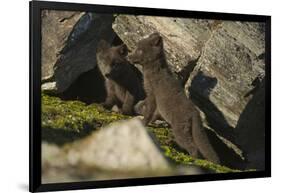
(232, 59)
(120, 150)
(121, 146)
(49, 86)
(183, 38)
(69, 42)
(229, 63)
(56, 27)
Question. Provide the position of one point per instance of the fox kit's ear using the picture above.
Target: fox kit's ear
(123, 50)
(102, 46)
(156, 39)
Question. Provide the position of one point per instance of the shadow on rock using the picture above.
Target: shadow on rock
(200, 90)
(250, 129)
(185, 73)
(215, 118)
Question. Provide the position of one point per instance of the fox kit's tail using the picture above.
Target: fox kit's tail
(201, 140)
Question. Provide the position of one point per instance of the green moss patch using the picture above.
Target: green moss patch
(65, 121)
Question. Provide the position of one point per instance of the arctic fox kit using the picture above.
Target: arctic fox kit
(165, 95)
(123, 81)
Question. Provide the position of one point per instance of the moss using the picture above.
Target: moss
(66, 121)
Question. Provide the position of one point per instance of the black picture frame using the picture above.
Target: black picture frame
(35, 96)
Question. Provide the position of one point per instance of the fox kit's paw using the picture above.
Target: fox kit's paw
(140, 107)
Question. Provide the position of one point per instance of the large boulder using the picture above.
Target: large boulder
(120, 150)
(56, 27)
(183, 38)
(69, 41)
(230, 61)
(221, 84)
(121, 146)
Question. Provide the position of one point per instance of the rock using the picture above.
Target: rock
(54, 165)
(183, 38)
(120, 150)
(56, 27)
(122, 146)
(49, 87)
(231, 59)
(69, 42)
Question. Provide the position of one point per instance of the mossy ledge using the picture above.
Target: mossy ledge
(66, 121)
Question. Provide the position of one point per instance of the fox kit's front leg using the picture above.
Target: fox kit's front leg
(150, 108)
(128, 105)
(110, 95)
(183, 136)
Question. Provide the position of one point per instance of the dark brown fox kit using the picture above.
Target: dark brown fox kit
(166, 96)
(123, 81)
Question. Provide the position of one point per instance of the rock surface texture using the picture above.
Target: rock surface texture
(184, 38)
(56, 27)
(121, 146)
(69, 42)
